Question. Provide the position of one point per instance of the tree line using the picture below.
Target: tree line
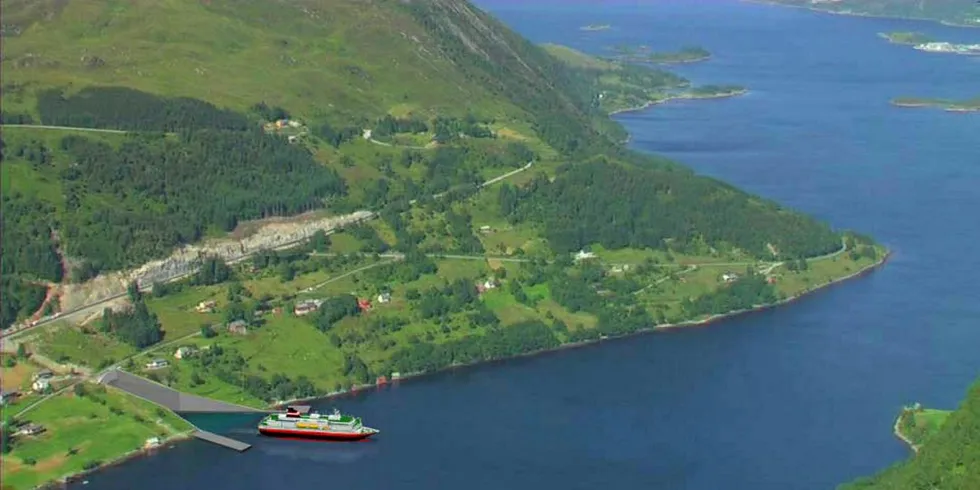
(621, 206)
(133, 110)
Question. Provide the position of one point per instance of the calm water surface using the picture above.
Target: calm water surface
(802, 397)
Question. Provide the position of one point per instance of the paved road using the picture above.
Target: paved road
(168, 397)
(64, 128)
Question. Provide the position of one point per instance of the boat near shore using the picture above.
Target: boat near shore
(303, 422)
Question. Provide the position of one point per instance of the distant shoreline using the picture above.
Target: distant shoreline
(948, 106)
(685, 96)
(678, 61)
(859, 14)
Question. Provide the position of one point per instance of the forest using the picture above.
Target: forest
(949, 460)
(620, 206)
(128, 205)
(132, 110)
(514, 340)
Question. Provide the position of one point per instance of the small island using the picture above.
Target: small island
(969, 105)
(643, 54)
(909, 38)
(915, 425)
(595, 27)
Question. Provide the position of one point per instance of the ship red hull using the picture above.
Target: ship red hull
(305, 434)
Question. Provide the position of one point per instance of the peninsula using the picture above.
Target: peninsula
(916, 425)
(382, 220)
(909, 38)
(969, 105)
(621, 86)
(643, 54)
(944, 446)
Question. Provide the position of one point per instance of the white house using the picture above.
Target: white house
(384, 297)
(41, 384)
(729, 277)
(185, 352)
(157, 364)
(583, 255)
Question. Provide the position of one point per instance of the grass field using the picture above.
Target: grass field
(919, 425)
(64, 343)
(98, 427)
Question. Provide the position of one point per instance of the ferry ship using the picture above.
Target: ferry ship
(301, 421)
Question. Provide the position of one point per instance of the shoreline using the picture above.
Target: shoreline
(859, 14)
(628, 59)
(656, 328)
(945, 106)
(686, 96)
(167, 443)
(897, 430)
(356, 389)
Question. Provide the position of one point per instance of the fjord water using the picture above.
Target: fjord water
(800, 397)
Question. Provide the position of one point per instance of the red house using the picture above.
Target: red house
(364, 304)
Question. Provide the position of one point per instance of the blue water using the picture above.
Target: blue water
(802, 397)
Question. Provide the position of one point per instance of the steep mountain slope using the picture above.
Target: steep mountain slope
(949, 460)
(965, 12)
(183, 94)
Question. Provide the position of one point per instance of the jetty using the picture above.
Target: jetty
(178, 402)
(221, 440)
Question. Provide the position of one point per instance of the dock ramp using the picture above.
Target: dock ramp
(168, 397)
(221, 440)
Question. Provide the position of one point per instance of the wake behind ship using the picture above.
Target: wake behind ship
(301, 421)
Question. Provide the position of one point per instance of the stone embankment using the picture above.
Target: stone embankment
(187, 259)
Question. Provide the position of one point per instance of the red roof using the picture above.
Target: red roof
(363, 304)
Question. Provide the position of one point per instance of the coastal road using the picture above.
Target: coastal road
(64, 128)
(96, 306)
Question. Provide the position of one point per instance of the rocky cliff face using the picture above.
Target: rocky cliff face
(187, 259)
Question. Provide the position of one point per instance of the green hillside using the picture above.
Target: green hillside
(965, 12)
(133, 128)
(949, 459)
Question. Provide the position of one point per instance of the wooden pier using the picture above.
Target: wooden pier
(221, 440)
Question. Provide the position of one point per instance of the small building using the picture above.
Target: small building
(396, 375)
(157, 364)
(729, 277)
(306, 307)
(205, 306)
(485, 229)
(185, 352)
(31, 429)
(583, 255)
(486, 285)
(292, 138)
(238, 327)
(42, 374)
(382, 380)
(363, 304)
(41, 385)
(384, 297)
(7, 396)
(152, 443)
